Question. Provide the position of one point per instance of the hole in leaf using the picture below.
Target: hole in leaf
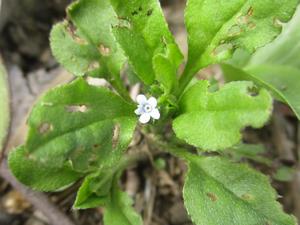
(212, 196)
(242, 20)
(77, 108)
(116, 135)
(149, 12)
(47, 104)
(235, 30)
(93, 66)
(253, 91)
(123, 23)
(277, 22)
(99, 82)
(222, 48)
(45, 128)
(105, 51)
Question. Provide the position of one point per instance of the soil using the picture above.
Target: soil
(24, 46)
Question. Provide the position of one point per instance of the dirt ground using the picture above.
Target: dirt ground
(24, 47)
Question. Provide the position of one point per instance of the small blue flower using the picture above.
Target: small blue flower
(146, 109)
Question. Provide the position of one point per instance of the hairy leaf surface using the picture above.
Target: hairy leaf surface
(285, 50)
(84, 124)
(94, 191)
(40, 175)
(86, 45)
(119, 210)
(216, 28)
(282, 81)
(218, 191)
(143, 32)
(213, 120)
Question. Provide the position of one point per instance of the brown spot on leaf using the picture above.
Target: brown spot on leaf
(222, 48)
(77, 108)
(45, 128)
(93, 66)
(212, 196)
(251, 25)
(247, 197)
(235, 30)
(105, 51)
(71, 29)
(116, 135)
(250, 11)
(134, 13)
(149, 12)
(96, 145)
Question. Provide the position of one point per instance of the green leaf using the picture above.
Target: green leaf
(216, 28)
(119, 210)
(87, 125)
(250, 151)
(86, 45)
(274, 66)
(282, 81)
(142, 32)
(217, 191)
(166, 69)
(72, 51)
(40, 175)
(4, 105)
(213, 120)
(94, 191)
(80, 47)
(285, 174)
(285, 50)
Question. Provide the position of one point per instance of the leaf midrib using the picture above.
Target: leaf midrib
(38, 147)
(238, 198)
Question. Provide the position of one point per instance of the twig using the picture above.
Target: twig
(38, 200)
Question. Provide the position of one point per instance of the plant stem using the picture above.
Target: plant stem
(115, 80)
(131, 159)
(119, 87)
(187, 75)
(184, 80)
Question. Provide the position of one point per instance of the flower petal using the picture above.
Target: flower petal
(139, 111)
(145, 118)
(141, 99)
(155, 114)
(152, 101)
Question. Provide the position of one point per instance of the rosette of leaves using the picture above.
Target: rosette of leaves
(81, 132)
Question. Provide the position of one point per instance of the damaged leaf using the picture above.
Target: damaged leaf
(216, 28)
(217, 191)
(88, 139)
(213, 120)
(142, 33)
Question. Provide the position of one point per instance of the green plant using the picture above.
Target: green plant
(79, 131)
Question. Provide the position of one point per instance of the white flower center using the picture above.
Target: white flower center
(147, 108)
